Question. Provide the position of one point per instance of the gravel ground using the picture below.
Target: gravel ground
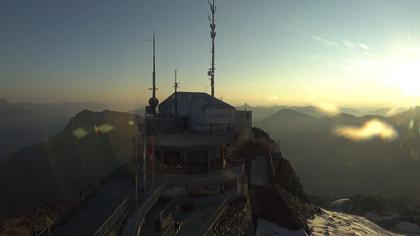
(235, 220)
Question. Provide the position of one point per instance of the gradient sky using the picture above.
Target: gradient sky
(353, 53)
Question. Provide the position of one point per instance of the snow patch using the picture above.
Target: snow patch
(334, 223)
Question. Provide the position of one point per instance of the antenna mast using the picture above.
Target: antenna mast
(153, 101)
(154, 66)
(212, 36)
(176, 86)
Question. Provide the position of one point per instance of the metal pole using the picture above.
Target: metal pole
(154, 65)
(176, 95)
(136, 167)
(144, 161)
(153, 159)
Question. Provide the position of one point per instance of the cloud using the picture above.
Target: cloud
(349, 44)
(344, 43)
(370, 129)
(323, 40)
(356, 46)
(272, 98)
(364, 46)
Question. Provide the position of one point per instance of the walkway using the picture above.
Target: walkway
(94, 213)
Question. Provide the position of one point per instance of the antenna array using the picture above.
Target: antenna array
(212, 36)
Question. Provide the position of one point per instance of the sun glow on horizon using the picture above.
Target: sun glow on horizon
(329, 108)
(405, 71)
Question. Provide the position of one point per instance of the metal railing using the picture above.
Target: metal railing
(114, 218)
(172, 229)
(149, 200)
(214, 218)
(45, 232)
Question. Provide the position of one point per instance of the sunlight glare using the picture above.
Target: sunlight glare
(79, 133)
(370, 129)
(328, 108)
(105, 128)
(404, 66)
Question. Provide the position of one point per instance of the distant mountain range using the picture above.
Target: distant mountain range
(262, 112)
(89, 148)
(62, 155)
(333, 155)
(23, 124)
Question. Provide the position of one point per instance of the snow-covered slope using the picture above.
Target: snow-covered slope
(334, 223)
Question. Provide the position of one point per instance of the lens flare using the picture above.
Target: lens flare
(411, 124)
(79, 133)
(105, 128)
(370, 129)
(328, 108)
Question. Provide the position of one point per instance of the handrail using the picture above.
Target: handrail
(153, 196)
(114, 217)
(167, 209)
(170, 230)
(214, 217)
(44, 232)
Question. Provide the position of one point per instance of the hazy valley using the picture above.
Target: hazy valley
(86, 148)
(344, 154)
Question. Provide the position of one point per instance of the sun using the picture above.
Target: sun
(405, 71)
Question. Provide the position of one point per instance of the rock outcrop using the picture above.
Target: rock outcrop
(281, 199)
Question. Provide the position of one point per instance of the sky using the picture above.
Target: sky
(344, 53)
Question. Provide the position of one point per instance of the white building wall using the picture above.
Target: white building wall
(219, 116)
(202, 118)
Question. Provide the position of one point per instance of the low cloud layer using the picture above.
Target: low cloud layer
(370, 129)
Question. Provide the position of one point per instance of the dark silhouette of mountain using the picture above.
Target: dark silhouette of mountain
(319, 112)
(412, 114)
(23, 124)
(259, 112)
(90, 147)
(330, 164)
(140, 111)
(297, 122)
(385, 111)
(310, 110)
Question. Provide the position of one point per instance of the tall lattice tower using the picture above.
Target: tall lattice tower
(213, 37)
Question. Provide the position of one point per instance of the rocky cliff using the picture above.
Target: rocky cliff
(278, 197)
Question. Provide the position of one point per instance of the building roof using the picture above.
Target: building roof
(210, 101)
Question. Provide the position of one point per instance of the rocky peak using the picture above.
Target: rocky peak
(282, 200)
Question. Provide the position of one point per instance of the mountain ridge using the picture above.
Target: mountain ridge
(380, 165)
(67, 161)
